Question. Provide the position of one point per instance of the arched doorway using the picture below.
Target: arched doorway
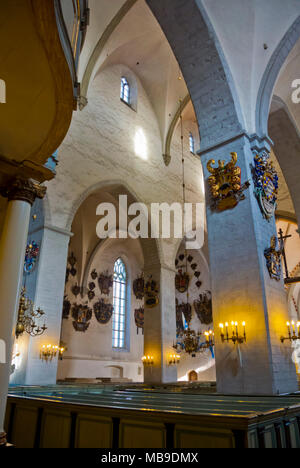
(193, 376)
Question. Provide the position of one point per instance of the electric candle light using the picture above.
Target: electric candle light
(292, 335)
(235, 337)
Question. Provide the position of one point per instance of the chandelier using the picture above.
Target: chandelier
(191, 342)
(28, 317)
(188, 340)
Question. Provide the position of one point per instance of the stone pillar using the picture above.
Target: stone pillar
(21, 195)
(242, 288)
(49, 296)
(160, 327)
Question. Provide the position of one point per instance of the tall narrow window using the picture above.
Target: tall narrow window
(119, 315)
(192, 143)
(125, 90)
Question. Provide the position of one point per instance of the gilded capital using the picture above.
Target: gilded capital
(23, 189)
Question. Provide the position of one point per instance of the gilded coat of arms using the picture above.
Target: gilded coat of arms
(105, 282)
(139, 316)
(139, 287)
(225, 184)
(266, 184)
(273, 258)
(103, 312)
(151, 293)
(182, 281)
(203, 308)
(82, 315)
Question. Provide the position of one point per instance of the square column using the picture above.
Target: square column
(242, 289)
(49, 296)
(160, 327)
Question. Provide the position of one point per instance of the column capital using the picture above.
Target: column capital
(23, 189)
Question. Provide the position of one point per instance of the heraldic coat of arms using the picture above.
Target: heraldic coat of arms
(225, 184)
(82, 315)
(203, 308)
(139, 287)
(151, 293)
(266, 184)
(182, 281)
(103, 312)
(105, 282)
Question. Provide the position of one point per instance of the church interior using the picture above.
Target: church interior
(149, 224)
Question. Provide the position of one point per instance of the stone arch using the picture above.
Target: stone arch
(285, 135)
(204, 67)
(153, 254)
(271, 74)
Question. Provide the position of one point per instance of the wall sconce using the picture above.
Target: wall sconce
(148, 360)
(174, 360)
(235, 337)
(48, 353)
(292, 336)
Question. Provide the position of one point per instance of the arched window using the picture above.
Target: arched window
(119, 315)
(192, 143)
(125, 90)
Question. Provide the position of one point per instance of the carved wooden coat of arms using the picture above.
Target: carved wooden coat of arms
(182, 281)
(82, 315)
(103, 312)
(225, 184)
(151, 293)
(203, 308)
(273, 258)
(31, 257)
(139, 287)
(139, 316)
(66, 308)
(184, 309)
(105, 282)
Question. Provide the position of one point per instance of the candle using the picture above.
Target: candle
(293, 325)
(289, 329)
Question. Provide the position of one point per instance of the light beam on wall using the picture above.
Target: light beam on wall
(140, 144)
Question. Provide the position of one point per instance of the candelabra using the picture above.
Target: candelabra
(174, 360)
(48, 353)
(292, 334)
(27, 317)
(235, 336)
(148, 360)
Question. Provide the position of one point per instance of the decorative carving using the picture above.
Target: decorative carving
(203, 308)
(199, 284)
(103, 312)
(91, 295)
(225, 184)
(273, 258)
(82, 315)
(151, 293)
(139, 287)
(31, 256)
(266, 184)
(139, 316)
(23, 189)
(76, 290)
(105, 282)
(182, 281)
(94, 275)
(66, 308)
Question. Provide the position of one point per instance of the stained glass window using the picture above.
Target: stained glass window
(119, 315)
(192, 143)
(125, 90)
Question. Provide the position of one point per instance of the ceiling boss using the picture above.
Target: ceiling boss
(225, 184)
